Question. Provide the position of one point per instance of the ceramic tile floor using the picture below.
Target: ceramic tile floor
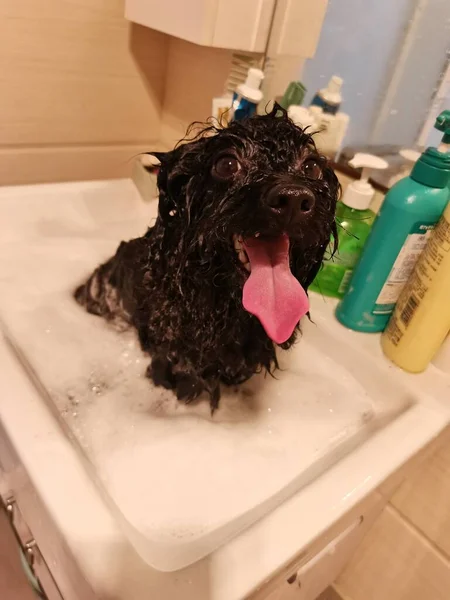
(13, 583)
(329, 594)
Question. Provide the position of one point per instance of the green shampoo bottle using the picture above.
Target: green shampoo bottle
(354, 221)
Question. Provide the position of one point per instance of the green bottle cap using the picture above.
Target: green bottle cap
(432, 168)
(294, 94)
(443, 124)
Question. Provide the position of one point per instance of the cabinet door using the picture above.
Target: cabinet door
(321, 570)
(234, 24)
(296, 27)
(319, 565)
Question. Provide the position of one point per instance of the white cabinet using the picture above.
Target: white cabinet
(234, 24)
(293, 25)
(296, 27)
(320, 564)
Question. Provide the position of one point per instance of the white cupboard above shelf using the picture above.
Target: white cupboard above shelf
(236, 24)
(233, 24)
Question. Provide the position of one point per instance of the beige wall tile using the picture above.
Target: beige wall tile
(330, 594)
(195, 75)
(76, 73)
(47, 165)
(395, 562)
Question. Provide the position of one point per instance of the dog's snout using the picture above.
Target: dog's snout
(292, 199)
(278, 201)
(307, 202)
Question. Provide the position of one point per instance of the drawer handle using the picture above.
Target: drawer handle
(9, 505)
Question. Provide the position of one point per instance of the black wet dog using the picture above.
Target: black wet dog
(245, 216)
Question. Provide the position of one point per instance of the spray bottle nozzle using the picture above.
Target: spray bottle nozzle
(443, 124)
(359, 193)
(367, 162)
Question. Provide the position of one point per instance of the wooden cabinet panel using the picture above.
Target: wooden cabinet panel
(76, 72)
(195, 75)
(77, 163)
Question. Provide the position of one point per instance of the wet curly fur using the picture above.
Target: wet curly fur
(180, 285)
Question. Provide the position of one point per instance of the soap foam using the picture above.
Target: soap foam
(150, 451)
(180, 481)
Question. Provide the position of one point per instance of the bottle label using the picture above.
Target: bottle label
(345, 281)
(347, 257)
(402, 268)
(426, 272)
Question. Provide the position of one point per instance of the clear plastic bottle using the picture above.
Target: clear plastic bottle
(329, 98)
(354, 220)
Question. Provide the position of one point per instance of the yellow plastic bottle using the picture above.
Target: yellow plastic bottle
(421, 319)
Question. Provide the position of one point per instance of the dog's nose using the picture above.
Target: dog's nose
(292, 198)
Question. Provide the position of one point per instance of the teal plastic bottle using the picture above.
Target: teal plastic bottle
(410, 211)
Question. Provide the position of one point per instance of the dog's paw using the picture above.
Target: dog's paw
(188, 387)
(214, 397)
(160, 372)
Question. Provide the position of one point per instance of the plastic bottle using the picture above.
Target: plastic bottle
(443, 124)
(421, 320)
(410, 157)
(410, 211)
(302, 117)
(247, 95)
(221, 108)
(294, 94)
(329, 98)
(354, 220)
(330, 130)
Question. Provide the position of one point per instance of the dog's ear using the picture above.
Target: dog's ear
(278, 111)
(175, 172)
(168, 161)
(160, 156)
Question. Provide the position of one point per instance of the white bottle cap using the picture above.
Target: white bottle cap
(335, 84)
(250, 89)
(332, 93)
(409, 155)
(301, 116)
(359, 193)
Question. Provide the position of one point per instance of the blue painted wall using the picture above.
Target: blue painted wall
(359, 42)
(420, 76)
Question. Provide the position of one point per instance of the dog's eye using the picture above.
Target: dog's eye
(226, 166)
(312, 169)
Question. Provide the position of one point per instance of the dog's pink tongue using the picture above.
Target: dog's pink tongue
(271, 292)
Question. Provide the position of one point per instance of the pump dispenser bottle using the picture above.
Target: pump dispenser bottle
(409, 213)
(247, 96)
(443, 124)
(354, 220)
